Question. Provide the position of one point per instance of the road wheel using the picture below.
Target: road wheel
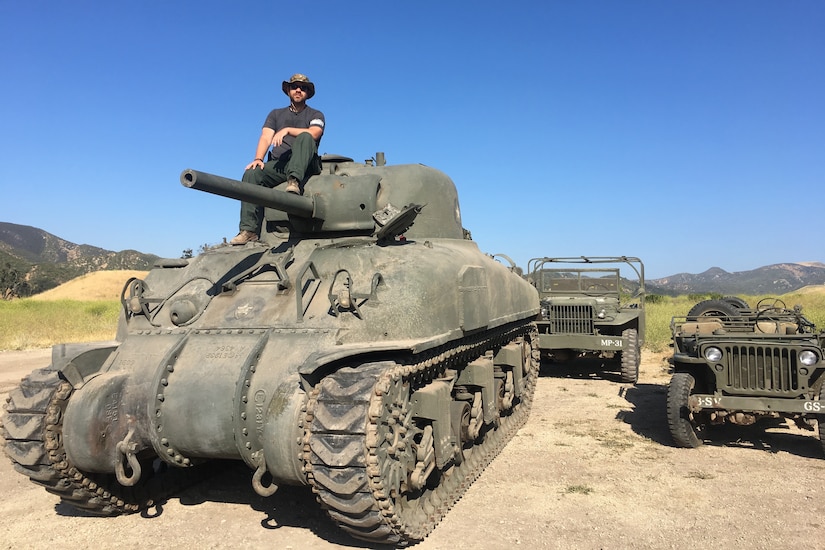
(683, 424)
(713, 308)
(631, 356)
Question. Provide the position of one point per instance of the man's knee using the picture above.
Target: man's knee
(253, 175)
(304, 138)
(304, 146)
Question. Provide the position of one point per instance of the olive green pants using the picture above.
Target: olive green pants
(300, 162)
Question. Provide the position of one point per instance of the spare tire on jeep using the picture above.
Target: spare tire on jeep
(713, 308)
(736, 302)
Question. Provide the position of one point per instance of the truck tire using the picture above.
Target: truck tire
(683, 426)
(713, 308)
(631, 356)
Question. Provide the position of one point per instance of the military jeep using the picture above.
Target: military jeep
(733, 364)
(588, 309)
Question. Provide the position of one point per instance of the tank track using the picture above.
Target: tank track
(354, 414)
(33, 430)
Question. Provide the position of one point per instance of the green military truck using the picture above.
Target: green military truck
(733, 364)
(589, 309)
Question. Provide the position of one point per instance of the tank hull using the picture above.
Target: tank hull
(215, 388)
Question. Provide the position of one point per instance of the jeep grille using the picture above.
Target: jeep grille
(571, 319)
(765, 368)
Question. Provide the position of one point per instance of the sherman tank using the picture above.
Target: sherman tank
(364, 347)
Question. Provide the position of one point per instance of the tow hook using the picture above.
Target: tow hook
(259, 474)
(127, 460)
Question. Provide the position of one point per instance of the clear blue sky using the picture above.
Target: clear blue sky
(688, 133)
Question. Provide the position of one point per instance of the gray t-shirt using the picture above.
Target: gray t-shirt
(285, 118)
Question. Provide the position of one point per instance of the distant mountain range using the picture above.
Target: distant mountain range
(45, 261)
(771, 279)
(36, 260)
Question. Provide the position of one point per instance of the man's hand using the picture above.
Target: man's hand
(257, 163)
(279, 136)
(263, 147)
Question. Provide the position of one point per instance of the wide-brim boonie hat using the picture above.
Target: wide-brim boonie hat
(299, 78)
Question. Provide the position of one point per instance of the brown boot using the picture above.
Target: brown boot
(292, 186)
(244, 237)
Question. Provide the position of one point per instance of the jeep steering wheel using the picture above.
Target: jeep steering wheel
(771, 303)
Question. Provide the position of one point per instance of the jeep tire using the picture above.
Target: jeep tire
(820, 421)
(713, 308)
(682, 424)
(736, 302)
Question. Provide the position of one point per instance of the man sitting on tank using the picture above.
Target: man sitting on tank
(293, 133)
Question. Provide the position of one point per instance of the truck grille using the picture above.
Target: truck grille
(766, 368)
(571, 319)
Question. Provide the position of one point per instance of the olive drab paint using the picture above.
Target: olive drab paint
(589, 309)
(364, 346)
(733, 364)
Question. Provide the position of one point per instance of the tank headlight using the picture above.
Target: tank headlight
(600, 315)
(182, 311)
(808, 358)
(713, 354)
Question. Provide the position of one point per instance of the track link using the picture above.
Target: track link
(33, 430)
(357, 413)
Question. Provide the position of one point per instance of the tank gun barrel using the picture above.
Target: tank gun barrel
(297, 205)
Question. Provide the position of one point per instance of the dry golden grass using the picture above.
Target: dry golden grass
(100, 285)
(31, 324)
(84, 309)
(810, 289)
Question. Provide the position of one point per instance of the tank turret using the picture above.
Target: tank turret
(354, 199)
(374, 354)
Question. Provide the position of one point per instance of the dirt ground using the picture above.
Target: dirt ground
(594, 467)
